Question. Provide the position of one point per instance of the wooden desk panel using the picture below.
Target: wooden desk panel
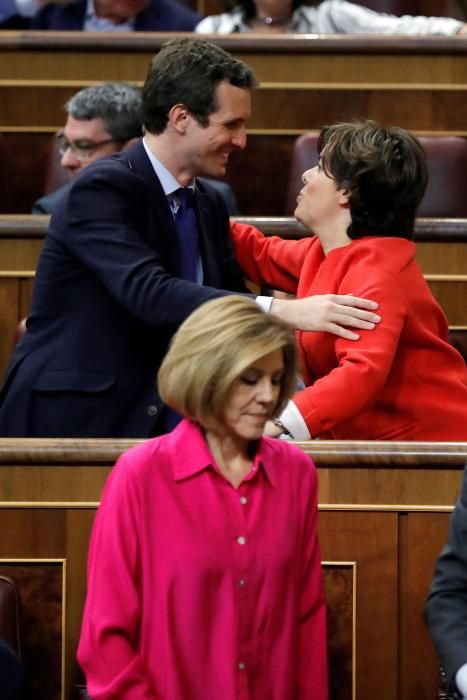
(306, 81)
(278, 108)
(290, 59)
(9, 307)
(49, 490)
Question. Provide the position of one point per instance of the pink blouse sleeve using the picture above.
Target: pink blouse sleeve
(108, 648)
(313, 668)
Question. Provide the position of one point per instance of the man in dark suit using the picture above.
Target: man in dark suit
(117, 15)
(446, 607)
(111, 286)
(101, 120)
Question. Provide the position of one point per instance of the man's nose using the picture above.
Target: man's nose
(239, 140)
(68, 160)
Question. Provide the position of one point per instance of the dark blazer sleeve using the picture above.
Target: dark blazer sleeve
(446, 607)
(47, 203)
(69, 17)
(167, 16)
(122, 233)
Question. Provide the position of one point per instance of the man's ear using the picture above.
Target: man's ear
(178, 118)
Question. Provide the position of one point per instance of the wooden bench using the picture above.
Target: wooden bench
(384, 510)
(306, 81)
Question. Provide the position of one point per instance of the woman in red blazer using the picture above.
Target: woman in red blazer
(402, 380)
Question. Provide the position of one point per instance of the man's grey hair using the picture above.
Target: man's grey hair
(117, 104)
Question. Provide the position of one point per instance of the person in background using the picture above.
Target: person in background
(327, 17)
(103, 119)
(204, 574)
(404, 381)
(446, 607)
(117, 16)
(138, 243)
(15, 14)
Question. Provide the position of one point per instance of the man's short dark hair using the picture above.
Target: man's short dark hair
(384, 170)
(119, 105)
(187, 71)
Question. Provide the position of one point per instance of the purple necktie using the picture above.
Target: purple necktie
(187, 235)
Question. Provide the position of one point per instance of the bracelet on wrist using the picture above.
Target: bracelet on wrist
(279, 424)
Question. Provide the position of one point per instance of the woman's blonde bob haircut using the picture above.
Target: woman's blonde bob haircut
(212, 348)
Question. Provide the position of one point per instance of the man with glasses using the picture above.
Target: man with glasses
(102, 119)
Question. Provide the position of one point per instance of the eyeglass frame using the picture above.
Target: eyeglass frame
(87, 149)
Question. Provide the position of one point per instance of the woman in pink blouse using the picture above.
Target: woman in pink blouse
(204, 578)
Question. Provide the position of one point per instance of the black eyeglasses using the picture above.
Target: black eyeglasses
(81, 150)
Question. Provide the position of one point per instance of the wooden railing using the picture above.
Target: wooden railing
(384, 510)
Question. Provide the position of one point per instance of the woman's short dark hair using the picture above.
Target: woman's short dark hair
(188, 71)
(384, 170)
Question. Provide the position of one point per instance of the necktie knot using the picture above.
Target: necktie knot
(185, 196)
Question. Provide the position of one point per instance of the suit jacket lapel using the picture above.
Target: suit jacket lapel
(138, 161)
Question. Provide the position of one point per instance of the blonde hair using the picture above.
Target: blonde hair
(212, 348)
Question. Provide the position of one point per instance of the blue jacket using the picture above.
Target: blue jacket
(107, 299)
(159, 16)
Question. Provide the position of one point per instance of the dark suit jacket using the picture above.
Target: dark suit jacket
(106, 302)
(47, 203)
(446, 607)
(159, 16)
(16, 22)
(12, 683)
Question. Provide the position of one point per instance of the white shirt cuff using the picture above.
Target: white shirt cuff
(27, 8)
(461, 680)
(264, 303)
(293, 421)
